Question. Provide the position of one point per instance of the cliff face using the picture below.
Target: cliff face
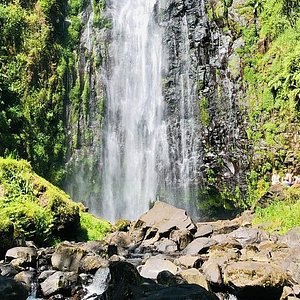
(86, 105)
(230, 87)
(202, 90)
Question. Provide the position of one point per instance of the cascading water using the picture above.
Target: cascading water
(186, 141)
(135, 140)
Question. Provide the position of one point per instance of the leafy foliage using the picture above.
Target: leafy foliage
(272, 74)
(279, 217)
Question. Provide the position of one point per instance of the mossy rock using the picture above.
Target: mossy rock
(39, 211)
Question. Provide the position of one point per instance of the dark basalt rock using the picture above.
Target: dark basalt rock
(12, 290)
(126, 283)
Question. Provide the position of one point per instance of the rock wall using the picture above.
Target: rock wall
(203, 75)
(203, 91)
(85, 115)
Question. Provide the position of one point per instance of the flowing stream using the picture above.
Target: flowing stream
(135, 139)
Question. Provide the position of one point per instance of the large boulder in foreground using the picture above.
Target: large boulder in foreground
(255, 280)
(126, 283)
(12, 290)
(165, 217)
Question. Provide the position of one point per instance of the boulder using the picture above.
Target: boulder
(252, 273)
(223, 226)
(291, 238)
(92, 263)
(223, 257)
(59, 282)
(167, 278)
(212, 272)
(194, 276)
(182, 237)
(245, 235)
(7, 270)
(45, 274)
(126, 283)
(67, 257)
(290, 293)
(95, 247)
(165, 217)
(120, 239)
(155, 265)
(12, 290)
(189, 261)
(165, 246)
(183, 291)
(27, 254)
(203, 230)
(26, 278)
(200, 245)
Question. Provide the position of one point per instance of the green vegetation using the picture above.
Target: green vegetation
(272, 76)
(204, 114)
(272, 73)
(279, 217)
(40, 211)
(92, 227)
(39, 75)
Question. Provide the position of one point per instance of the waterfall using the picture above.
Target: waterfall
(135, 139)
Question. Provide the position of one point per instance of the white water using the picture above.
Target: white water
(135, 140)
(99, 284)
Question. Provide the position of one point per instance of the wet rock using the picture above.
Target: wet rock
(200, 245)
(155, 265)
(59, 282)
(12, 290)
(67, 257)
(27, 255)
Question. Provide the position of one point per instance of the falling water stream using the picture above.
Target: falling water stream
(135, 140)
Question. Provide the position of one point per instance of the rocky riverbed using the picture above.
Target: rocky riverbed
(162, 255)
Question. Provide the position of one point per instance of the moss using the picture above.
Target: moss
(204, 114)
(38, 210)
(93, 228)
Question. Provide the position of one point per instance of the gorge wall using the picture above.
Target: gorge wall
(202, 109)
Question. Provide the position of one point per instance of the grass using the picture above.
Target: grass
(279, 216)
